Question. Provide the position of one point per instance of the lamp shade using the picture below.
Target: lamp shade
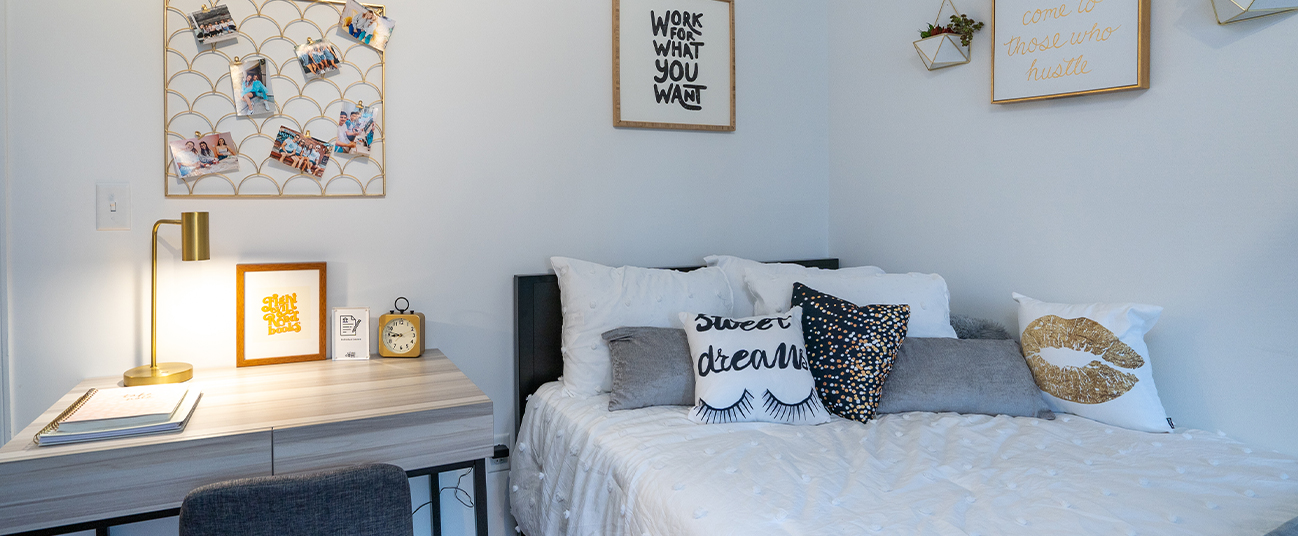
(193, 232)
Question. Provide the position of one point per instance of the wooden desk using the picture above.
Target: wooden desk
(276, 419)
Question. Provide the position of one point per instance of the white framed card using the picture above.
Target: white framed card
(674, 64)
(351, 333)
(1050, 49)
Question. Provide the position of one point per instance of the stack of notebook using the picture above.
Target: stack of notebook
(123, 412)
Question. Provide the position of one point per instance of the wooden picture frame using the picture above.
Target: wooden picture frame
(1047, 50)
(280, 313)
(653, 84)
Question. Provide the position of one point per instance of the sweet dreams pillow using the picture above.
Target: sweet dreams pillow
(1091, 360)
(751, 370)
(596, 298)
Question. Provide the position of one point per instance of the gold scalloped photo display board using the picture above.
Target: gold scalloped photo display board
(199, 97)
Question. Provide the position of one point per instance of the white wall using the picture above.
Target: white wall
(1182, 196)
(4, 225)
(501, 154)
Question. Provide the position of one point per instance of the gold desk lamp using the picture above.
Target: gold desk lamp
(194, 246)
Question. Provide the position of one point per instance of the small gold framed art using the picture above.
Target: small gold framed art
(280, 313)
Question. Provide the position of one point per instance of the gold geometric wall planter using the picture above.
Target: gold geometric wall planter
(1229, 11)
(943, 50)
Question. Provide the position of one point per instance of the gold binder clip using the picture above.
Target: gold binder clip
(205, 9)
(197, 134)
(237, 61)
(309, 40)
(307, 133)
(360, 104)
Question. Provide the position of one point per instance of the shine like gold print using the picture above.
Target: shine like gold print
(281, 314)
(1095, 383)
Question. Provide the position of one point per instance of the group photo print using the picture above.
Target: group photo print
(319, 58)
(300, 151)
(214, 25)
(366, 26)
(252, 87)
(355, 130)
(205, 155)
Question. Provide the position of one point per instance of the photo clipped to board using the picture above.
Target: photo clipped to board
(252, 87)
(214, 25)
(366, 26)
(301, 152)
(205, 155)
(319, 58)
(355, 130)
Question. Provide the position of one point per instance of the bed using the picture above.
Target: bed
(579, 469)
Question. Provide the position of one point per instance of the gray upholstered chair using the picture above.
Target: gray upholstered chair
(363, 500)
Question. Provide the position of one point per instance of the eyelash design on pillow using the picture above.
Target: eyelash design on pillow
(713, 415)
(790, 412)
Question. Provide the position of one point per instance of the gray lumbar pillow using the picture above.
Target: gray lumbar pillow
(968, 327)
(962, 376)
(651, 367)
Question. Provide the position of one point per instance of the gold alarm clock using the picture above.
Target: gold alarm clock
(401, 332)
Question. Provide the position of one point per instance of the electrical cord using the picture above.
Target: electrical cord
(460, 494)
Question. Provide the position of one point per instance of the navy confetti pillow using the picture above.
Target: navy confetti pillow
(851, 348)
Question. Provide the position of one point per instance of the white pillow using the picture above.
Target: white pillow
(1091, 360)
(926, 294)
(734, 268)
(597, 298)
(751, 370)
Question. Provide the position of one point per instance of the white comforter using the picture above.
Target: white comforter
(579, 469)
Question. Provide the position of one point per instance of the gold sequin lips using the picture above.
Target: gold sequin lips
(1096, 382)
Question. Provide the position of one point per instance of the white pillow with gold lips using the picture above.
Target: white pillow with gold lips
(1091, 360)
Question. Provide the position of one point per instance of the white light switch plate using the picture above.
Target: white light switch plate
(113, 206)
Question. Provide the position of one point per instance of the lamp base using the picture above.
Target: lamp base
(163, 373)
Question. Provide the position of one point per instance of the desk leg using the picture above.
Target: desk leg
(435, 501)
(480, 495)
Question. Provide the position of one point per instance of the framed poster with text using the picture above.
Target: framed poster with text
(1063, 48)
(279, 313)
(674, 64)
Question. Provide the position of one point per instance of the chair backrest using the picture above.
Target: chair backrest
(365, 500)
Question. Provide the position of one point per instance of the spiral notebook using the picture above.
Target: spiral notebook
(103, 409)
(56, 433)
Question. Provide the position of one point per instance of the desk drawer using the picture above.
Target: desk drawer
(410, 441)
(101, 484)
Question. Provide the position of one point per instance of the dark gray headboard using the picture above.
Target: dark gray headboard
(538, 322)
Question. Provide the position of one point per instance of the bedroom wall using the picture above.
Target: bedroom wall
(1182, 195)
(4, 225)
(501, 154)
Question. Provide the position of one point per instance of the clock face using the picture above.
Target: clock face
(400, 335)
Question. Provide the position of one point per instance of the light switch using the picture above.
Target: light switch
(113, 206)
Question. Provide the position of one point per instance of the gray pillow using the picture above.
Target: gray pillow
(968, 327)
(962, 376)
(651, 367)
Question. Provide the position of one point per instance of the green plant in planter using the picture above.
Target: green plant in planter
(960, 24)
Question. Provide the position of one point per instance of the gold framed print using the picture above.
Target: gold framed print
(280, 313)
(1051, 49)
(674, 64)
